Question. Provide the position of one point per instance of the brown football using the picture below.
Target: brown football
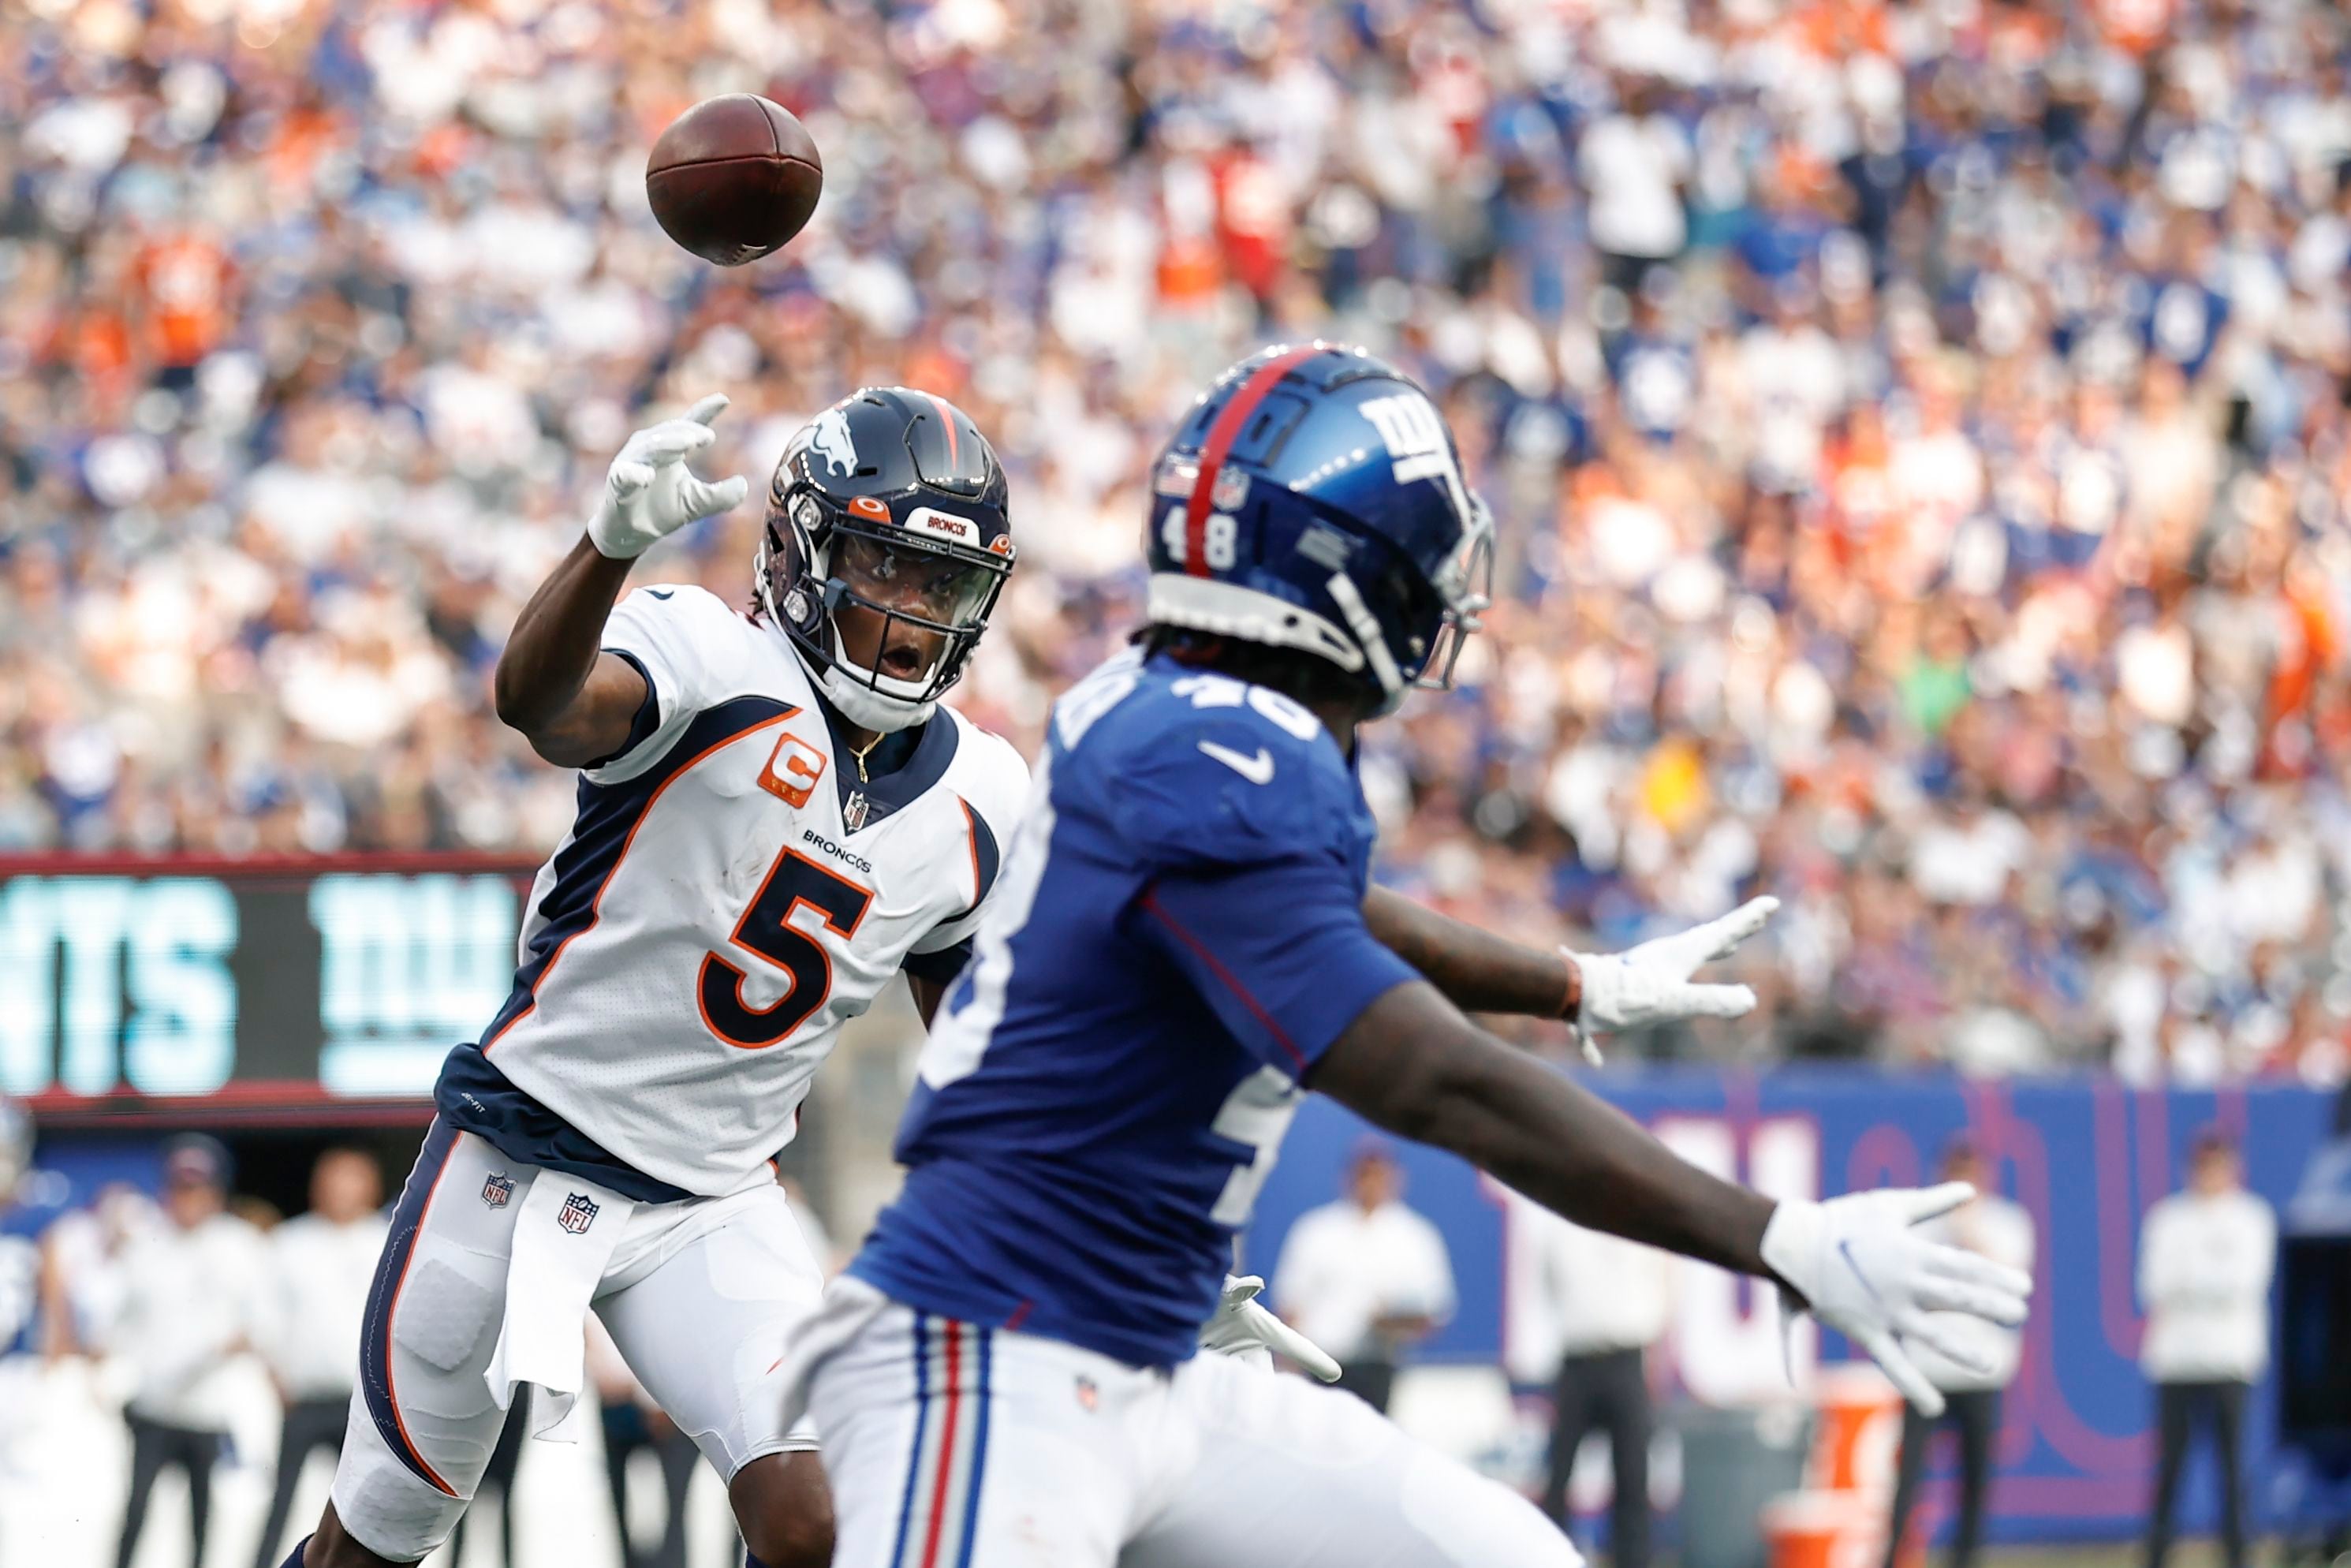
(734, 178)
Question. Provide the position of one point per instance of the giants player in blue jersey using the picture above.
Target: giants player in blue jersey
(1183, 942)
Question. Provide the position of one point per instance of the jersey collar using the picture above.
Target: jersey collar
(910, 770)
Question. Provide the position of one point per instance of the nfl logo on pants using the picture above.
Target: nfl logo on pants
(579, 1213)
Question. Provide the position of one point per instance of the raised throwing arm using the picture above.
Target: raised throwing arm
(573, 702)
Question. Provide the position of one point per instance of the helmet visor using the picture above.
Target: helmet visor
(919, 584)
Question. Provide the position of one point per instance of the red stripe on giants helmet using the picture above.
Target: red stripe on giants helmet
(1221, 436)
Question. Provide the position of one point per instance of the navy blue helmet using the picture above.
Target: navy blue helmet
(1314, 500)
(892, 500)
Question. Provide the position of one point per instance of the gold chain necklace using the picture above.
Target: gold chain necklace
(859, 753)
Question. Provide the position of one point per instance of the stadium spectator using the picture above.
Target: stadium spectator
(1608, 1300)
(313, 1298)
(1919, 435)
(1365, 1278)
(1997, 1228)
(187, 1307)
(2205, 1260)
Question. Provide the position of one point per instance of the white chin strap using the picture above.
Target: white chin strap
(1228, 609)
(873, 706)
(876, 706)
(1366, 628)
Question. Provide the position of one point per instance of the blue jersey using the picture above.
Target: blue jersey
(1178, 936)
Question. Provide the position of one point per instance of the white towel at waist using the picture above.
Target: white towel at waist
(563, 1239)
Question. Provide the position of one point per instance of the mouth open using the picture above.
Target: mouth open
(902, 663)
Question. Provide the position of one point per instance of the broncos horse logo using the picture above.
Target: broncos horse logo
(830, 439)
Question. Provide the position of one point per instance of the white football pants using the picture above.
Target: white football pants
(950, 1446)
(700, 1297)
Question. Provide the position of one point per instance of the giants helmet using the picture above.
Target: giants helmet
(889, 491)
(1314, 500)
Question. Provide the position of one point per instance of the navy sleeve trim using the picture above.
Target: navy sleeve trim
(985, 858)
(648, 715)
(940, 968)
(600, 834)
(1232, 982)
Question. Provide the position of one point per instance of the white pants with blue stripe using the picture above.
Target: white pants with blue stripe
(700, 1297)
(950, 1446)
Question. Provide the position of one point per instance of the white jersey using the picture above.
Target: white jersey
(730, 895)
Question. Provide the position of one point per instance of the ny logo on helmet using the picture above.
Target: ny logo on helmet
(1414, 434)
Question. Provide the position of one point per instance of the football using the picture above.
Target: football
(734, 178)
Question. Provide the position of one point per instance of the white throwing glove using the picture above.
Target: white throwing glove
(1868, 1275)
(1651, 984)
(1242, 1327)
(649, 493)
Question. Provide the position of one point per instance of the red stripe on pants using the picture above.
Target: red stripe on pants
(946, 1448)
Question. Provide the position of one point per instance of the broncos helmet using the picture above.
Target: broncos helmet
(891, 500)
(1314, 500)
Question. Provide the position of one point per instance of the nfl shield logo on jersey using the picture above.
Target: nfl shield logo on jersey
(579, 1213)
(498, 1189)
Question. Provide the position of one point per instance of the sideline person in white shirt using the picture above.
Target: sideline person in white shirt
(1365, 1278)
(187, 1307)
(2205, 1259)
(1608, 1300)
(321, 1264)
(1994, 1227)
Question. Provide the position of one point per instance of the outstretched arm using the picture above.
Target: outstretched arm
(1410, 1062)
(574, 702)
(1480, 972)
(1413, 1064)
(1477, 971)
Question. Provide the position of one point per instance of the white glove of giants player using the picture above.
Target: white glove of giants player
(1651, 984)
(1868, 1274)
(1242, 1326)
(649, 493)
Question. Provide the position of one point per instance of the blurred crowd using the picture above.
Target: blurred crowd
(1918, 432)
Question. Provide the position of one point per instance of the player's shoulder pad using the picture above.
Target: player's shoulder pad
(988, 773)
(677, 604)
(691, 643)
(1203, 769)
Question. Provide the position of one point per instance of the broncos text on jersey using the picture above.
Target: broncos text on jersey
(1178, 937)
(730, 895)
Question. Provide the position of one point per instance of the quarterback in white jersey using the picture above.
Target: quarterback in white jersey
(775, 818)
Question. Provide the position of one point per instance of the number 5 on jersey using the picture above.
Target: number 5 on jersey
(794, 882)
